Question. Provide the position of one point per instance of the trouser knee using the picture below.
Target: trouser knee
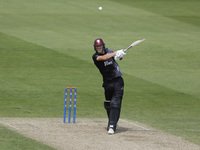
(107, 105)
(116, 102)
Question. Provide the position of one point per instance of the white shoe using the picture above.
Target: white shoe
(111, 131)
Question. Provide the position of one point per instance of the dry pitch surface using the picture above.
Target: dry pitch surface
(91, 134)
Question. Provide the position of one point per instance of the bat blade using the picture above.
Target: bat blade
(133, 44)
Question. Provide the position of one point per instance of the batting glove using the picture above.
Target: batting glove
(119, 54)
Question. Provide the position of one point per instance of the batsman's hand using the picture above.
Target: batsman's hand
(119, 54)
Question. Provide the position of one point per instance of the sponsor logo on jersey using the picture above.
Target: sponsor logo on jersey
(106, 63)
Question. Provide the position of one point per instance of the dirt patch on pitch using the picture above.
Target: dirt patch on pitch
(91, 134)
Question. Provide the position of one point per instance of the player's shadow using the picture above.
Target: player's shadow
(123, 129)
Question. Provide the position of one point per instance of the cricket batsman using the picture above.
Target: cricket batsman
(113, 83)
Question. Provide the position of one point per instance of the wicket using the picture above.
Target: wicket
(70, 104)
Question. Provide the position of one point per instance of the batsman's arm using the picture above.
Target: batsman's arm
(105, 57)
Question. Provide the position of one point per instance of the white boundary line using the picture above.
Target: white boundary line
(177, 130)
(134, 124)
(9, 125)
(33, 126)
(189, 130)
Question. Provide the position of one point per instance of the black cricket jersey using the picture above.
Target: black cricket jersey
(109, 68)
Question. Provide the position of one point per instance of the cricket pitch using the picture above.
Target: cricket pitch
(91, 134)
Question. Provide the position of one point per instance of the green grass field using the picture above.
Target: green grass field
(48, 45)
